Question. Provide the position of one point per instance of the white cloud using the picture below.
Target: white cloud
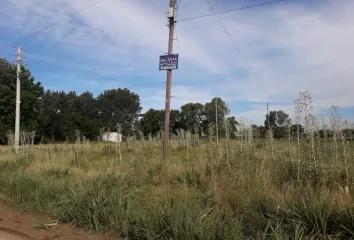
(291, 47)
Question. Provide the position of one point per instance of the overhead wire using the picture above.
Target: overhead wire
(235, 46)
(231, 10)
(97, 2)
(56, 22)
(175, 28)
(186, 19)
(59, 21)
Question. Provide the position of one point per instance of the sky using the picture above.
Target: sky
(290, 46)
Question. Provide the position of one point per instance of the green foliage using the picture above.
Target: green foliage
(255, 196)
(119, 106)
(181, 220)
(31, 91)
(297, 127)
(57, 172)
(60, 116)
(196, 117)
(190, 178)
(278, 122)
(109, 203)
(210, 110)
(64, 113)
(193, 116)
(232, 126)
(152, 122)
(222, 112)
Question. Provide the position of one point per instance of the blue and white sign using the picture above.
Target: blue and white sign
(168, 62)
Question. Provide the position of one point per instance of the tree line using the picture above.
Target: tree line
(60, 116)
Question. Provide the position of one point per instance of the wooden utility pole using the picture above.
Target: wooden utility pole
(268, 115)
(18, 100)
(171, 26)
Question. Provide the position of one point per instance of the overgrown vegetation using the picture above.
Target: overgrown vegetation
(250, 188)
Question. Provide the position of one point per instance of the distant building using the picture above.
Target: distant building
(111, 137)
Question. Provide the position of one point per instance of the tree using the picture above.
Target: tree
(232, 126)
(119, 106)
(58, 115)
(86, 105)
(262, 131)
(210, 113)
(87, 117)
(7, 112)
(278, 121)
(269, 122)
(192, 116)
(65, 113)
(175, 120)
(31, 92)
(295, 127)
(152, 121)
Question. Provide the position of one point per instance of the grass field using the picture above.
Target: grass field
(245, 189)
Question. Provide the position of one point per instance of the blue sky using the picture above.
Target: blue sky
(291, 46)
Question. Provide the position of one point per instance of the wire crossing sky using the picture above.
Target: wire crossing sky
(95, 3)
(291, 46)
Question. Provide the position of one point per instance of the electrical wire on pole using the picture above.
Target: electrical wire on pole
(231, 10)
(171, 26)
(235, 46)
(56, 22)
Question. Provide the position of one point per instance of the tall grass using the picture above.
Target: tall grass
(249, 189)
(236, 196)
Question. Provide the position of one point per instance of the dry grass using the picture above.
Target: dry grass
(249, 194)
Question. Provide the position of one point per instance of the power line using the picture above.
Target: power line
(59, 21)
(231, 10)
(234, 44)
(175, 28)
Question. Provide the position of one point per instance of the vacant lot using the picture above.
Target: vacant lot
(25, 225)
(250, 188)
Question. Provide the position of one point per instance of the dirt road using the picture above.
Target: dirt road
(27, 226)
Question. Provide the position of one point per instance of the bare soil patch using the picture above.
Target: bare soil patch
(15, 225)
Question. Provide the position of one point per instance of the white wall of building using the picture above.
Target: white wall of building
(112, 137)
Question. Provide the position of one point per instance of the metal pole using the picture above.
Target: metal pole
(268, 115)
(168, 85)
(18, 100)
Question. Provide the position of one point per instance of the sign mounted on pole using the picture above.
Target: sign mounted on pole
(169, 62)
